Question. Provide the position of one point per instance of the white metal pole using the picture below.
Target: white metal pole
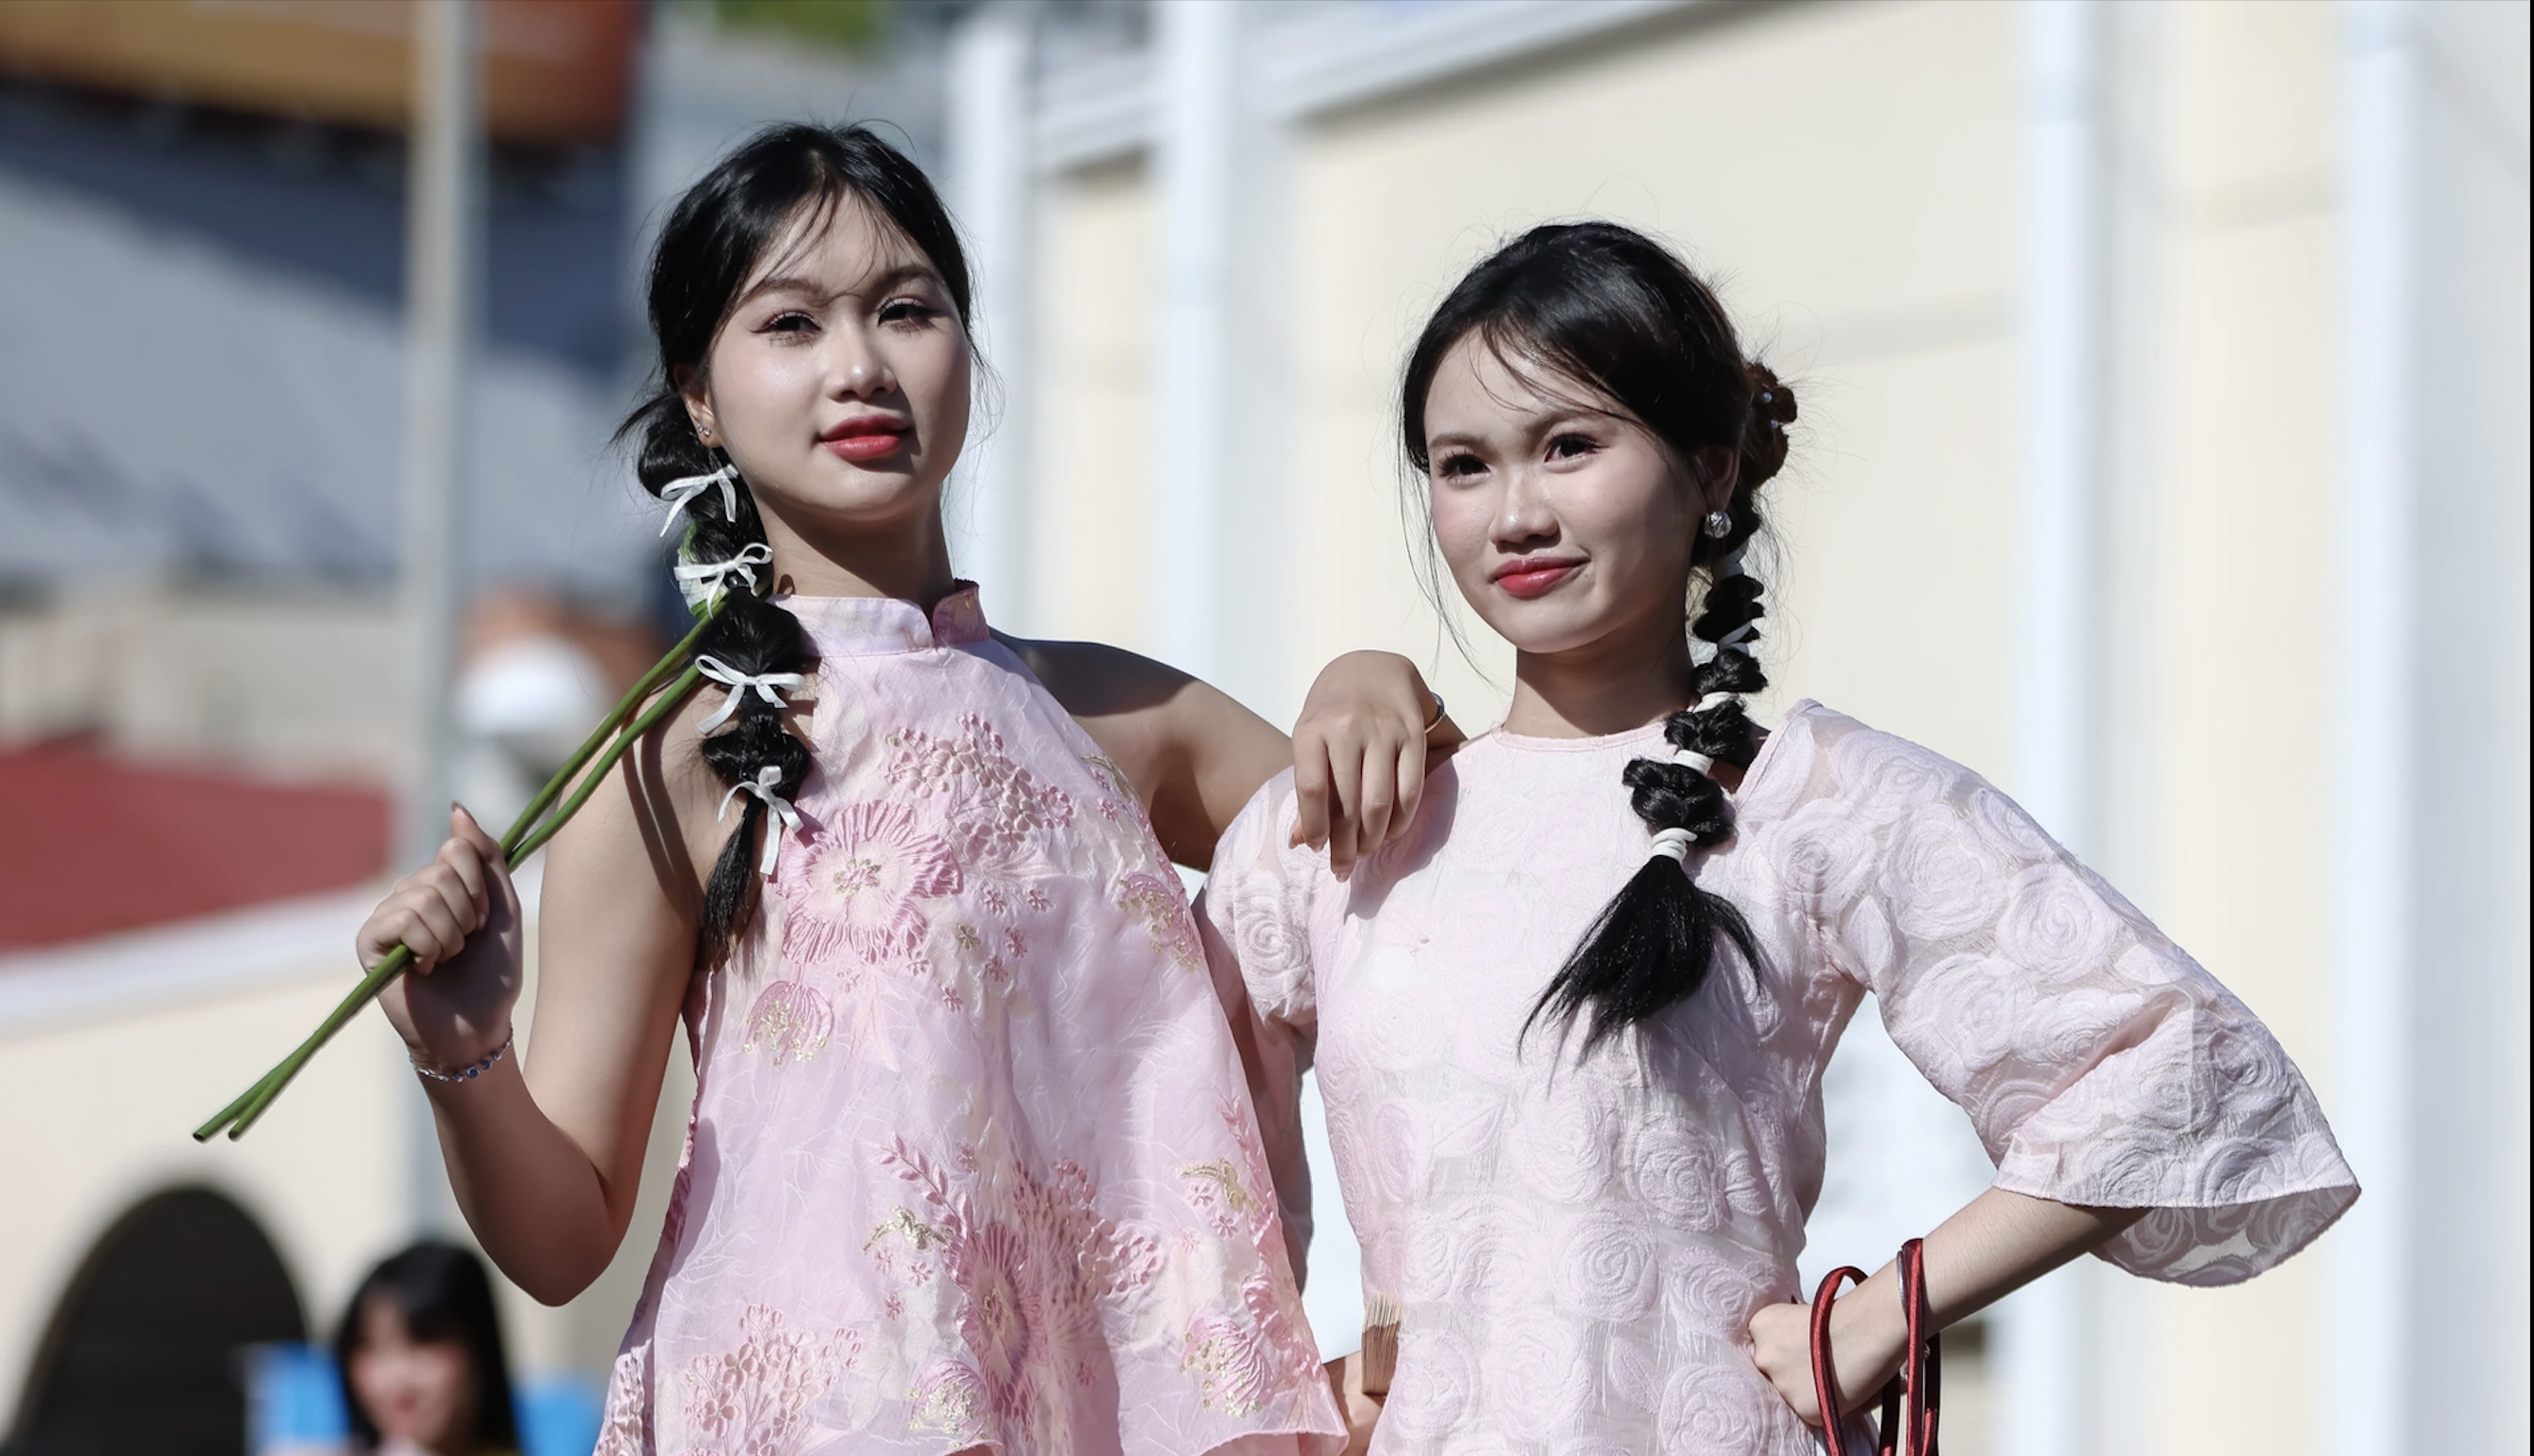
(989, 120)
(2043, 1332)
(443, 220)
(2371, 1304)
(443, 223)
(1195, 54)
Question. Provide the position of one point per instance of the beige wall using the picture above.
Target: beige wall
(104, 1106)
(109, 1090)
(2229, 294)
(1090, 383)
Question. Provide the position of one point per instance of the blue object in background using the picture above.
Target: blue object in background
(557, 1416)
(295, 1407)
(294, 1403)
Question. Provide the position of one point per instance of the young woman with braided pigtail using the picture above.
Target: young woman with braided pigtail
(971, 1165)
(1569, 1029)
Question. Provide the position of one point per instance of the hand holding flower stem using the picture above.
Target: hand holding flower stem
(526, 836)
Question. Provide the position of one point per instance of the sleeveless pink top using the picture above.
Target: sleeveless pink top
(972, 1160)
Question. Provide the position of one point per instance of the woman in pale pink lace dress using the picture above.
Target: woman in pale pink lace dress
(971, 1166)
(1577, 1135)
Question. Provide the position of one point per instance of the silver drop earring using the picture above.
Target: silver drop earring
(1719, 524)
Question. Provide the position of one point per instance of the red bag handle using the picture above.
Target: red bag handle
(1910, 1396)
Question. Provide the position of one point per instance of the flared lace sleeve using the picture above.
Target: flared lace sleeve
(1254, 917)
(2101, 1065)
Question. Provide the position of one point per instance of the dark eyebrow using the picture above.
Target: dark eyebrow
(1538, 426)
(782, 283)
(895, 278)
(899, 277)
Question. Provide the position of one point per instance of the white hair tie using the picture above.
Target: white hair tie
(1670, 844)
(1692, 759)
(677, 493)
(701, 582)
(769, 685)
(1734, 637)
(1713, 701)
(787, 818)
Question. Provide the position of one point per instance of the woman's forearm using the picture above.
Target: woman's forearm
(532, 1195)
(1997, 1244)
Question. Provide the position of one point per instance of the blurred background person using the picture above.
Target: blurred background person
(423, 1368)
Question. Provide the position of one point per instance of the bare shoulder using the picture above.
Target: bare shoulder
(1193, 754)
(655, 811)
(1093, 680)
(1131, 705)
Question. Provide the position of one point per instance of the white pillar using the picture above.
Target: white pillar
(2371, 1300)
(1196, 95)
(443, 245)
(989, 186)
(2043, 1333)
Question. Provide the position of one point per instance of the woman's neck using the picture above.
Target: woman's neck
(909, 560)
(1624, 680)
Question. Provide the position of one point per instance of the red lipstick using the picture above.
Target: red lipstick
(1531, 576)
(866, 436)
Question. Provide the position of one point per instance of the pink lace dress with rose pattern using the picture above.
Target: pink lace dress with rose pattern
(971, 1162)
(1577, 1251)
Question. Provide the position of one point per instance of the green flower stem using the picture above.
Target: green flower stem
(521, 841)
(624, 708)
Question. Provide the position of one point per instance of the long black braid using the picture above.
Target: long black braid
(1614, 311)
(710, 246)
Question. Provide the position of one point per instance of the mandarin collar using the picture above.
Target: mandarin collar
(879, 626)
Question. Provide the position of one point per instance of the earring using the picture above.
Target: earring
(1719, 524)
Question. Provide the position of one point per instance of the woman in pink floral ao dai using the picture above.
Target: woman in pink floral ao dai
(1577, 1135)
(971, 1166)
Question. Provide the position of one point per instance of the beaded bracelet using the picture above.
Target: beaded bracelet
(470, 1074)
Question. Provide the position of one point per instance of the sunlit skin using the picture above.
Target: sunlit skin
(421, 1394)
(839, 384)
(1568, 527)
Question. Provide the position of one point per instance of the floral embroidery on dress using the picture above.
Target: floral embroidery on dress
(854, 885)
(1244, 1362)
(628, 1432)
(1162, 907)
(1118, 837)
(1031, 1275)
(1214, 1189)
(993, 804)
(944, 952)
(752, 1399)
(919, 1236)
(792, 1019)
(949, 1398)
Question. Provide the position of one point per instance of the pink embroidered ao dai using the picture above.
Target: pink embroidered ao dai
(971, 1162)
(1578, 1249)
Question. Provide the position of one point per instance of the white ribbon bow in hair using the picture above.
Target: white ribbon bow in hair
(786, 818)
(769, 685)
(687, 487)
(703, 581)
